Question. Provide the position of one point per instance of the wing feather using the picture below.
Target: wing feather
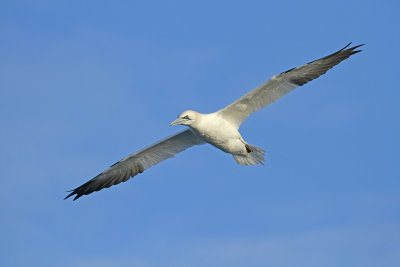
(281, 84)
(138, 162)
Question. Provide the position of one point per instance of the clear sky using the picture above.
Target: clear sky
(85, 83)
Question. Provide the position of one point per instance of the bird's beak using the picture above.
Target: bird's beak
(177, 121)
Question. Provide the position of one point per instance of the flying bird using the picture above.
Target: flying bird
(220, 129)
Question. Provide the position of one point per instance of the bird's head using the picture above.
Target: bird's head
(187, 118)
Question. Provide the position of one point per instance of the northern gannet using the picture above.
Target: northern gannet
(220, 129)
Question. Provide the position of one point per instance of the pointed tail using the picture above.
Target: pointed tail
(254, 156)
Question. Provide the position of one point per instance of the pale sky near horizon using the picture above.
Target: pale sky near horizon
(85, 83)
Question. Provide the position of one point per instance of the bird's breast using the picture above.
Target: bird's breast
(220, 133)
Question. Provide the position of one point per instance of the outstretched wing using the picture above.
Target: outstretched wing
(281, 84)
(138, 162)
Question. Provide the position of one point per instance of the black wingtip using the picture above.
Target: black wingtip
(353, 48)
(357, 51)
(73, 193)
(350, 50)
(346, 46)
(82, 190)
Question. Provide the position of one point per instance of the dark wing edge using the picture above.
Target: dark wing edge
(281, 84)
(314, 69)
(137, 163)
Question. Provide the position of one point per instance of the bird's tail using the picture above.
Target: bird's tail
(255, 156)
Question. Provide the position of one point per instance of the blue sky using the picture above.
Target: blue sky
(85, 83)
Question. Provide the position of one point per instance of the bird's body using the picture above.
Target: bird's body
(220, 129)
(215, 130)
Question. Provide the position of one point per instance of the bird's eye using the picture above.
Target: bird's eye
(186, 117)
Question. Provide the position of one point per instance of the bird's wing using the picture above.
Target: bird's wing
(138, 162)
(281, 84)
